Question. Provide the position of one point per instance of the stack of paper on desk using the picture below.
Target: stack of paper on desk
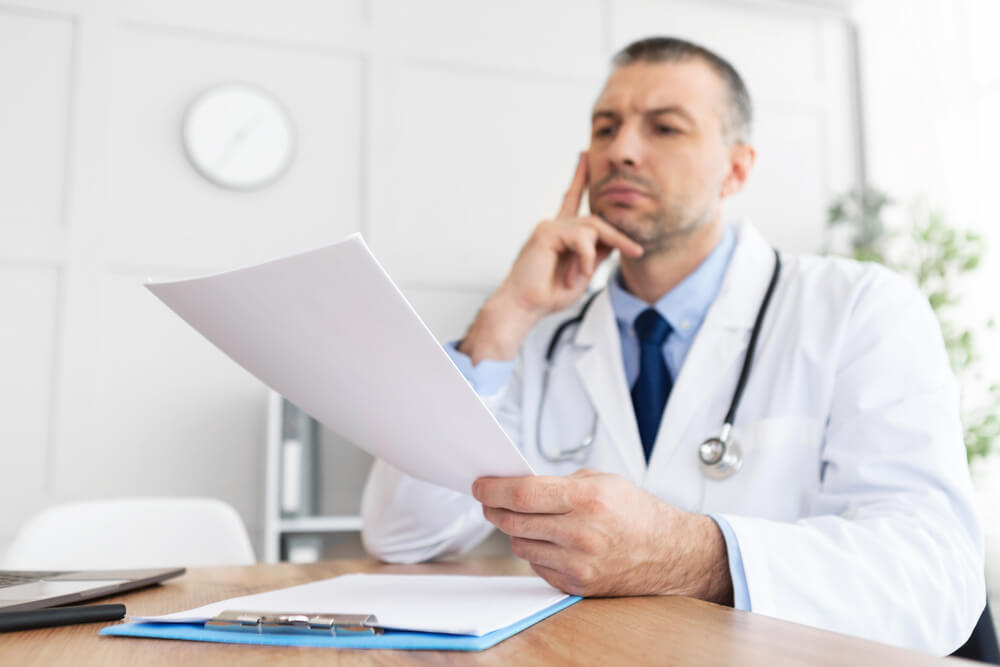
(330, 331)
(422, 611)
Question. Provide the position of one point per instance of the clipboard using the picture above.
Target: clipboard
(229, 622)
(388, 639)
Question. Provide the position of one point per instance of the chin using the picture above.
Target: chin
(627, 221)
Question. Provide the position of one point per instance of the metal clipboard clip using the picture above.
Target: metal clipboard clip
(337, 625)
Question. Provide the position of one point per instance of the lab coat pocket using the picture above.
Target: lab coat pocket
(781, 468)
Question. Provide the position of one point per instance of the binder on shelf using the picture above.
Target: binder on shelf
(305, 548)
(432, 612)
(299, 488)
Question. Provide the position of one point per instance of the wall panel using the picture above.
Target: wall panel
(167, 213)
(564, 37)
(787, 189)
(291, 21)
(28, 301)
(171, 414)
(477, 161)
(36, 73)
(779, 54)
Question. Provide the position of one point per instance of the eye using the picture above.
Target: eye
(604, 131)
(666, 129)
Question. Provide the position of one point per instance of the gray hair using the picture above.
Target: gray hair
(738, 119)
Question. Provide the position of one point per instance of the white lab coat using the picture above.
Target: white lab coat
(853, 510)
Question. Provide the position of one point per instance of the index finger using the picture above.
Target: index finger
(571, 201)
(611, 236)
(527, 495)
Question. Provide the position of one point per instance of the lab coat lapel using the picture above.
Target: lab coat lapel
(602, 373)
(712, 363)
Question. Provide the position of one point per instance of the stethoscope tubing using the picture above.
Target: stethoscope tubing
(752, 345)
(729, 460)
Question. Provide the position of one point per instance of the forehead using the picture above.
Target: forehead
(689, 84)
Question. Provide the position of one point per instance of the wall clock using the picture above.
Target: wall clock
(238, 136)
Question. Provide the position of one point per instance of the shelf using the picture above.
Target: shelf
(312, 488)
(319, 524)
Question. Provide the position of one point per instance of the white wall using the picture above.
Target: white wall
(442, 129)
(931, 90)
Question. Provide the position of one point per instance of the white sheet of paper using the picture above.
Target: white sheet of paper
(451, 604)
(331, 332)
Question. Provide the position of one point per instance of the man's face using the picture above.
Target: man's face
(658, 157)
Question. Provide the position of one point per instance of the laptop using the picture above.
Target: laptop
(35, 590)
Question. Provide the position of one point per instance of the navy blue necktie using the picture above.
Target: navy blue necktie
(649, 395)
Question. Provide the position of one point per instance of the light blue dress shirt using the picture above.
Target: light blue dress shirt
(684, 307)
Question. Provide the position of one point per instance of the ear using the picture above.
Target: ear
(741, 161)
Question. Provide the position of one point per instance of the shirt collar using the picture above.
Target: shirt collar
(686, 305)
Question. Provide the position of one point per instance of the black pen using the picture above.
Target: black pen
(47, 618)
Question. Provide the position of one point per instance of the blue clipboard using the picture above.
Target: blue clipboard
(391, 639)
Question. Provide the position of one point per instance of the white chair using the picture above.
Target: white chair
(131, 533)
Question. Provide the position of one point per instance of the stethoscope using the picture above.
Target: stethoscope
(720, 457)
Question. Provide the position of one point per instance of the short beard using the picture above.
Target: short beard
(662, 231)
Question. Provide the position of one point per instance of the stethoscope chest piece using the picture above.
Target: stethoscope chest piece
(720, 457)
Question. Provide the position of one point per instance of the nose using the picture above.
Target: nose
(625, 148)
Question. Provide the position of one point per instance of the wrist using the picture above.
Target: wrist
(500, 327)
(695, 563)
(715, 583)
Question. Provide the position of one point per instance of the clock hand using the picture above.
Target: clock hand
(239, 138)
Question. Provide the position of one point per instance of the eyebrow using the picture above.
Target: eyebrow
(614, 115)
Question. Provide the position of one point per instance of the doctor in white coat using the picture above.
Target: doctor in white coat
(851, 508)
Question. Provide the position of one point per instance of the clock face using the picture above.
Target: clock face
(238, 136)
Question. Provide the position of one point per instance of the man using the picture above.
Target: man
(852, 506)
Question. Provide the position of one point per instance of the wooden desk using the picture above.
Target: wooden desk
(624, 631)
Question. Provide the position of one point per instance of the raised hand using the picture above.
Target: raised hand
(551, 272)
